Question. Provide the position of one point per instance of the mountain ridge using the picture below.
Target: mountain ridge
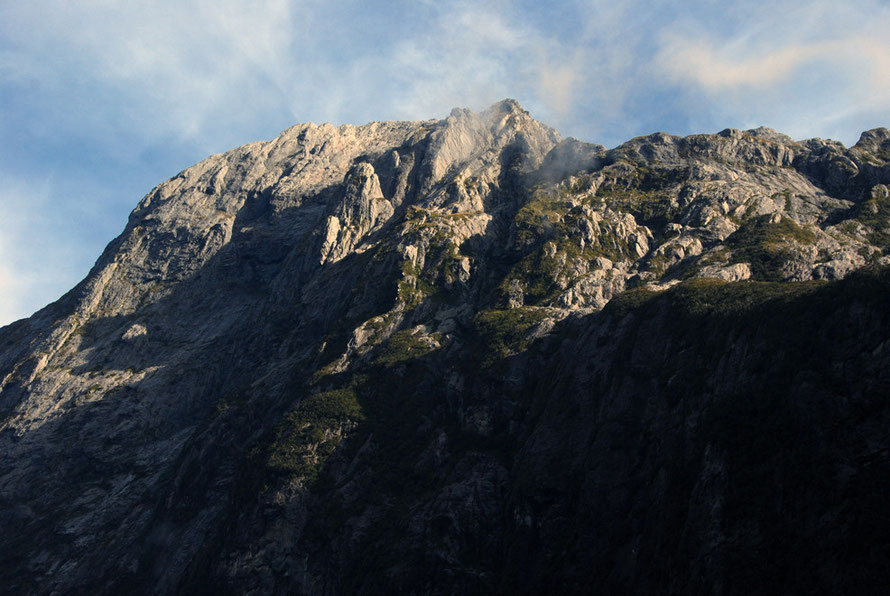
(241, 359)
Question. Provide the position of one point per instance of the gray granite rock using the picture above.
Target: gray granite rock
(156, 423)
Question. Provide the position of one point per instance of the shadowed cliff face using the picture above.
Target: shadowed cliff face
(466, 356)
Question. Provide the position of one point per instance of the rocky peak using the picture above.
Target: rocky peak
(361, 190)
(770, 134)
(338, 356)
(360, 209)
(481, 145)
(875, 141)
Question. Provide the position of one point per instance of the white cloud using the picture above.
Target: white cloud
(210, 73)
(810, 69)
(460, 61)
(35, 267)
(181, 65)
(475, 54)
(213, 73)
(560, 82)
(700, 62)
(718, 67)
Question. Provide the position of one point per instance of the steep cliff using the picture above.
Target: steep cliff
(466, 356)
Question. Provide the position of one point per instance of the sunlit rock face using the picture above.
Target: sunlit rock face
(464, 356)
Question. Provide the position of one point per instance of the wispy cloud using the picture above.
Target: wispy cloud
(808, 68)
(463, 59)
(39, 256)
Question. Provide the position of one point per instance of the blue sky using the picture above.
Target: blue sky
(101, 100)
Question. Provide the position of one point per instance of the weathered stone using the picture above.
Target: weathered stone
(382, 358)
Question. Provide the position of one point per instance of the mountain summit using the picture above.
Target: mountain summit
(466, 356)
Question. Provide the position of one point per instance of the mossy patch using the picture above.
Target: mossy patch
(875, 213)
(549, 233)
(630, 300)
(549, 216)
(504, 332)
(653, 209)
(540, 217)
(767, 246)
(785, 197)
(643, 191)
(717, 297)
(412, 288)
(312, 430)
(405, 345)
(443, 262)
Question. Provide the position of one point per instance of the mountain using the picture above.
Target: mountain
(467, 356)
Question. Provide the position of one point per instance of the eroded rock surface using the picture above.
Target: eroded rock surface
(465, 355)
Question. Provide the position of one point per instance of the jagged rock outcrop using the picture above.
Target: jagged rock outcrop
(466, 356)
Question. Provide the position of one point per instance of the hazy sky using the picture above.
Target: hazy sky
(101, 100)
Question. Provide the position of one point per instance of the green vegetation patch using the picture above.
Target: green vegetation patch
(642, 191)
(632, 171)
(630, 300)
(541, 217)
(443, 266)
(442, 260)
(502, 332)
(654, 209)
(407, 345)
(413, 288)
(658, 264)
(714, 297)
(312, 430)
(870, 255)
(717, 297)
(548, 270)
(418, 219)
(537, 275)
(548, 230)
(875, 213)
(766, 245)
